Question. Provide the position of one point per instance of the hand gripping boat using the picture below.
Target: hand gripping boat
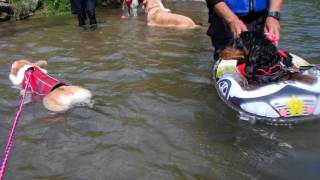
(283, 103)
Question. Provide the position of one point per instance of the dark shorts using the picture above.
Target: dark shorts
(82, 6)
(221, 35)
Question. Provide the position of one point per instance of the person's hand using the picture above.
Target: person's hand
(272, 26)
(237, 27)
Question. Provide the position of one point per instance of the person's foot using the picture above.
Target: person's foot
(92, 20)
(93, 27)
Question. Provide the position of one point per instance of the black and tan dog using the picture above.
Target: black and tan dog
(260, 61)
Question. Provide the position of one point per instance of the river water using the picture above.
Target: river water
(156, 113)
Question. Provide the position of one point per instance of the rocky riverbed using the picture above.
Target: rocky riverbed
(17, 10)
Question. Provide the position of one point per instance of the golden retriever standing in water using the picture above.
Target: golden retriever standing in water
(159, 16)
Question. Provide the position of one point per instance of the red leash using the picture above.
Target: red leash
(13, 130)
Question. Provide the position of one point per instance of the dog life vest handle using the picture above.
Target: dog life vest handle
(13, 130)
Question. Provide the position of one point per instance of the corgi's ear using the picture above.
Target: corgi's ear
(232, 53)
(17, 65)
(40, 63)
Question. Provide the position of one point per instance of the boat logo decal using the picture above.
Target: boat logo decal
(295, 105)
(224, 87)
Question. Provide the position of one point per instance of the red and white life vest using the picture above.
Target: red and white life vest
(40, 83)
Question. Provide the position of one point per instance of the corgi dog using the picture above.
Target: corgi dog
(56, 95)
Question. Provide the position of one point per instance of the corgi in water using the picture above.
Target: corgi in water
(56, 95)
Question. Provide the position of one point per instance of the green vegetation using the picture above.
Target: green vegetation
(56, 7)
(21, 9)
(25, 8)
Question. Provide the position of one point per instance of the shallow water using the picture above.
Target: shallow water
(157, 115)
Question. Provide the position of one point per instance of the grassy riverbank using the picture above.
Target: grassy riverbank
(25, 8)
(56, 7)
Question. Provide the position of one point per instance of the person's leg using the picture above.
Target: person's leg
(219, 44)
(260, 22)
(220, 34)
(90, 8)
(77, 8)
(82, 19)
(92, 20)
(256, 22)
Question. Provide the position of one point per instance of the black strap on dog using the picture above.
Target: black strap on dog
(276, 72)
(31, 69)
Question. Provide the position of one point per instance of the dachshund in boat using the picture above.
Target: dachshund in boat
(261, 62)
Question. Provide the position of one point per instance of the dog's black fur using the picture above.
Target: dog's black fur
(260, 53)
(257, 52)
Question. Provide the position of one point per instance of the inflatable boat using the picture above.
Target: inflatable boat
(282, 103)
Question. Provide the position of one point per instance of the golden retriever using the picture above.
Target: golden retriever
(158, 16)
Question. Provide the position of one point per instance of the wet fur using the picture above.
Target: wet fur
(60, 99)
(159, 16)
(258, 52)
